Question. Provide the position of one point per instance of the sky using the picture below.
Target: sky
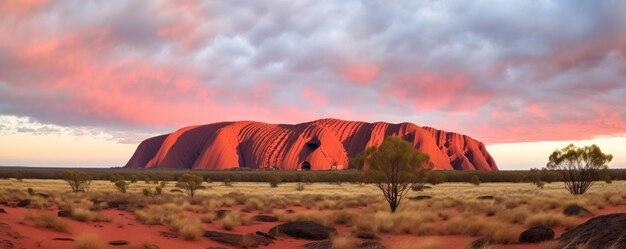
(83, 82)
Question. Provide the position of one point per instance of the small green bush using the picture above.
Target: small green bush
(275, 180)
(122, 186)
(190, 183)
(78, 181)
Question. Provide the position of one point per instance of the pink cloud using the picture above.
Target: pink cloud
(429, 91)
(191, 62)
(359, 73)
(312, 95)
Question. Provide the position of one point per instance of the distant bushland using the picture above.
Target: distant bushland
(249, 175)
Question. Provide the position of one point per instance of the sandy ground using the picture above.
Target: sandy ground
(124, 226)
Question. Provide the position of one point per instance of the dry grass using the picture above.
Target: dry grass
(344, 242)
(502, 233)
(234, 219)
(46, 220)
(208, 217)
(85, 215)
(454, 209)
(615, 199)
(514, 216)
(471, 226)
(551, 220)
(88, 241)
(161, 214)
(174, 217)
(189, 229)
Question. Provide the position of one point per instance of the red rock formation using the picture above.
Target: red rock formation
(324, 144)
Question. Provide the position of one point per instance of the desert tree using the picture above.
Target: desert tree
(78, 181)
(395, 167)
(580, 166)
(190, 183)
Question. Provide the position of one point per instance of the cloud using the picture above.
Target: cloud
(499, 71)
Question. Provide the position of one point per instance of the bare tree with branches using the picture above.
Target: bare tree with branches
(395, 167)
(580, 167)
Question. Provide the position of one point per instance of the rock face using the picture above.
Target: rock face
(573, 210)
(318, 145)
(303, 230)
(607, 231)
(245, 241)
(536, 234)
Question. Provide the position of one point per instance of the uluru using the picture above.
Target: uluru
(317, 145)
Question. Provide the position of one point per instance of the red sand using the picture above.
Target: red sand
(136, 232)
(324, 143)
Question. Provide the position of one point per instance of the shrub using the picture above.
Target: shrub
(299, 187)
(47, 220)
(162, 184)
(190, 183)
(189, 229)
(31, 191)
(229, 222)
(122, 186)
(158, 190)
(146, 192)
(475, 180)
(275, 180)
(254, 203)
(146, 178)
(78, 181)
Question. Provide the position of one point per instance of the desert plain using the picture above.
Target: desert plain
(448, 215)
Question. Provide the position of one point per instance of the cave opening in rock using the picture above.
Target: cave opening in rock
(305, 165)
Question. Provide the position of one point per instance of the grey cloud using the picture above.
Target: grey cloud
(553, 54)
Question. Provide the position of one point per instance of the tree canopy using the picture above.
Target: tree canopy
(394, 167)
(580, 166)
